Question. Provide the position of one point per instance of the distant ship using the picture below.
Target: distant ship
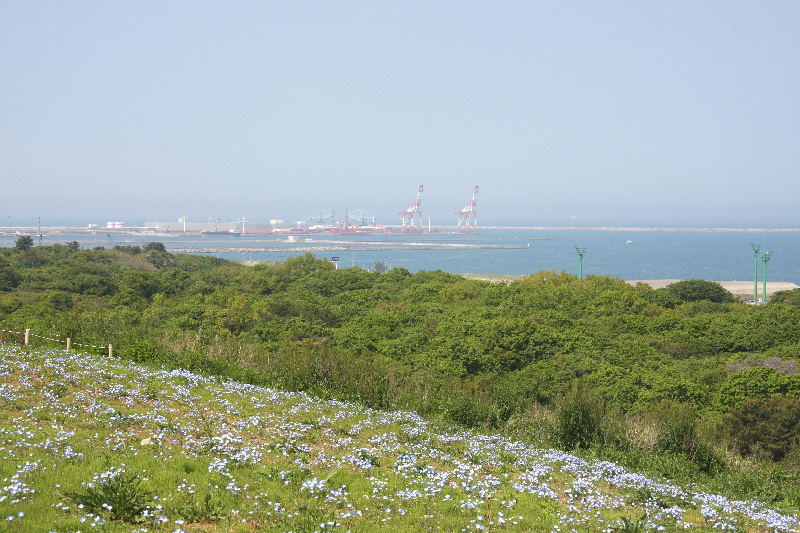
(226, 233)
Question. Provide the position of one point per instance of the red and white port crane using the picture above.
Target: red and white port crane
(468, 217)
(412, 217)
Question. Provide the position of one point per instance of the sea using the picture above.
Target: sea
(625, 253)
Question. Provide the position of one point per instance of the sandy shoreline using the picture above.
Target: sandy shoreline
(738, 288)
(741, 289)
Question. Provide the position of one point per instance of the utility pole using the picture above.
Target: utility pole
(581, 251)
(757, 252)
(765, 257)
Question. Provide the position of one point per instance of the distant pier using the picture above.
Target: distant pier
(358, 248)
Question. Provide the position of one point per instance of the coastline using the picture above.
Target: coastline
(618, 228)
(155, 232)
(740, 289)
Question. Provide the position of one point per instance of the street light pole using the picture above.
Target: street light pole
(756, 251)
(765, 257)
(581, 251)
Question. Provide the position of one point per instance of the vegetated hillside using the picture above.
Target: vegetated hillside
(96, 444)
(683, 382)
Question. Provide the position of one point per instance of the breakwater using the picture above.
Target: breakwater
(372, 247)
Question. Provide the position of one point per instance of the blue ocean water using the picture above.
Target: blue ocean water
(625, 254)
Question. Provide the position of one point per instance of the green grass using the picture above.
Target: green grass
(172, 451)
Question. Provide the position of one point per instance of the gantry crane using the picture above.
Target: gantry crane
(359, 215)
(323, 215)
(412, 217)
(468, 217)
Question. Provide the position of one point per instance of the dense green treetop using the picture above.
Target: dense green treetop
(24, 243)
(696, 290)
(635, 347)
(791, 297)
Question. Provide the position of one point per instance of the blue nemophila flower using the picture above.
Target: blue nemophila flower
(251, 427)
(313, 485)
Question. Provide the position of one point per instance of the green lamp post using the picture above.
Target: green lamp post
(765, 257)
(581, 251)
(756, 251)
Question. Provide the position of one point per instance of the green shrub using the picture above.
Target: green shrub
(119, 497)
(8, 276)
(677, 427)
(695, 290)
(771, 425)
(629, 526)
(209, 509)
(749, 384)
(467, 411)
(579, 418)
(791, 297)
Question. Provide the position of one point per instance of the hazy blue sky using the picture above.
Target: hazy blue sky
(564, 113)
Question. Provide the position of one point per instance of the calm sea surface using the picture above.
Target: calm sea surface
(626, 254)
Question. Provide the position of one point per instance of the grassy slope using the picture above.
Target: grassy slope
(215, 456)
